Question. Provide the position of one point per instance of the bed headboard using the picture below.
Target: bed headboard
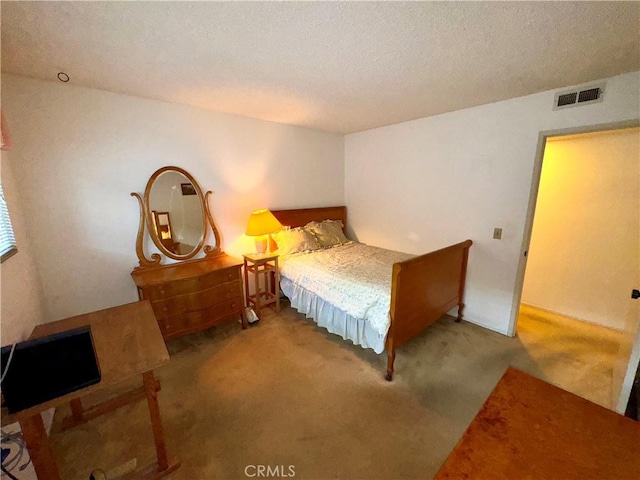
(301, 216)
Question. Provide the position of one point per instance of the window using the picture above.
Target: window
(7, 238)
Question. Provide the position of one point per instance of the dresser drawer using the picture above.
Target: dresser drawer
(188, 285)
(199, 320)
(191, 302)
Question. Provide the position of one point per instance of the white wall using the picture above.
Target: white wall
(21, 306)
(584, 256)
(420, 185)
(80, 152)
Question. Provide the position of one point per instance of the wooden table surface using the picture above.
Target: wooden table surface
(127, 342)
(530, 429)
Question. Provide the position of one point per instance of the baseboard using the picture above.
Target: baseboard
(485, 325)
(573, 317)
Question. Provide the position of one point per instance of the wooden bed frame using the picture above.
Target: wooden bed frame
(423, 288)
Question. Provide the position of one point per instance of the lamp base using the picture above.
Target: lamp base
(261, 244)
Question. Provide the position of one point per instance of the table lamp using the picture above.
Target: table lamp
(261, 224)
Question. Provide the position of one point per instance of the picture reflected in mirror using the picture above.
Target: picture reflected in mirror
(177, 213)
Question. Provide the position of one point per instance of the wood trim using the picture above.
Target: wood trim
(142, 259)
(10, 253)
(208, 250)
(147, 223)
(301, 216)
(149, 215)
(423, 289)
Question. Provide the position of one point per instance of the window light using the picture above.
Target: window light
(7, 238)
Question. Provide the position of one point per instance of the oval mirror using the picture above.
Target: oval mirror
(175, 213)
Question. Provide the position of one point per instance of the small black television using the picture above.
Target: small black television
(49, 367)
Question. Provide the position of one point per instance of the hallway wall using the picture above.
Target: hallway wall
(584, 258)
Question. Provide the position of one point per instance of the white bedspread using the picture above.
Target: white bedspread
(355, 278)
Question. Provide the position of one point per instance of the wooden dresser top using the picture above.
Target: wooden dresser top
(144, 277)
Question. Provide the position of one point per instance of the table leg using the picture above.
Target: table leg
(256, 284)
(156, 421)
(76, 410)
(246, 284)
(39, 448)
(277, 285)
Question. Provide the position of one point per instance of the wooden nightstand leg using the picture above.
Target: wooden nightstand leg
(243, 319)
(256, 284)
(277, 285)
(246, 284)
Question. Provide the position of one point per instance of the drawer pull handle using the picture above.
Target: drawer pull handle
(162, 292)
(165, 309)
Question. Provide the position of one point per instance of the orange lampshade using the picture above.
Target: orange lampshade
(262, 222)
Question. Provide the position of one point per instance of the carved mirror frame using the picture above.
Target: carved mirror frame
(147, 223)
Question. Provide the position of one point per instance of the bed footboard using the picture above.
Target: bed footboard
(423, 289)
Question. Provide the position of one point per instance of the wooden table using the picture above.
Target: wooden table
(127, 343)
(265, 264)
(531, 429)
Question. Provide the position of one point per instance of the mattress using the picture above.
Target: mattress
(345, 289)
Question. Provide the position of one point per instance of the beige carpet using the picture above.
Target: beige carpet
(580, 357)
(286, 393)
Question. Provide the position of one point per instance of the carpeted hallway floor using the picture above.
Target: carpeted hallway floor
(285, 392)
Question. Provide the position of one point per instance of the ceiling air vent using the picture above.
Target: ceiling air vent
(567, 99)
(574, 98)
(589, 95)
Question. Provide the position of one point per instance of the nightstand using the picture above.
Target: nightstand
(263, 265)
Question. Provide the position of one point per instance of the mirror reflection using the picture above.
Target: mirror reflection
(176, 209)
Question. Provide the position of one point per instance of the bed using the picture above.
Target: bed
(413, 291)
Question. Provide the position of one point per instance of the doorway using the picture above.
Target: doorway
(582, 257)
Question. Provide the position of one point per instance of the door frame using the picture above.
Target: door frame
(533, 198)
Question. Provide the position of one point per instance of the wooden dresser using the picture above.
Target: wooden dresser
(194, 295)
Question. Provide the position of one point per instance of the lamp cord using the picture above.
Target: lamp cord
(6, 368)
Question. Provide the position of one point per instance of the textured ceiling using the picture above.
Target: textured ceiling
(336, 66)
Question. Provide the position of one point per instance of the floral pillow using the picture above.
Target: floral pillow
(328, 232)
(295, 240)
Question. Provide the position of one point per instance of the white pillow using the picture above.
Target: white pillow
(328, 232)
(295, 240)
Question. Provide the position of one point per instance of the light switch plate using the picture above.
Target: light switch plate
(497, 234)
